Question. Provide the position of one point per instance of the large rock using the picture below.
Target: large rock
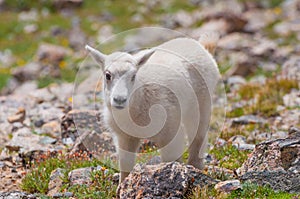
(166, 180)
(25, 141)
(275, 163)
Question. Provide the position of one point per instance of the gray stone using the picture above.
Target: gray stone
(28, 72)
(228, 185)
(165, 180)
(25, 87)
(80, 176)
(292, 99)
(236, 41)
(68, 194)
(25, 141)
(52, 53)
(276, 163)
(258, 19)
(237, 139)
(47, 140)
(77, 122)
(248, 119)
(242, 64)
(16, 195)
(248, 147)
(278, 180)
(55, 182)
(51, 128)
(291, 69)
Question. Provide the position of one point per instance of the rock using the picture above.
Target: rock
(47, 140)
(248, 147)
(294, 131)
(30, 28)
(154, 36)
(55, 182)
(30, 71)
(276, 163)
(228, 186)
(58, 195)
(258, 19)
(179, 19)
(236, 41)
(289, 118)
(46, 111)
(248, 119)
(31, 15)
(220, 142)
(52, 53)
(16, 195)
(104, 33)
(51, 128)
(24, 140)
(25, 87)
(98, 144)
(291, 69)
(18, 117)
(80, 176)
(265, 48)
(62, 92)
(292, 99)
(41, 95)
(76, 122)
(242, 65)
(166, 180)
(234, 80)
(277, 180)
(6, 58)
(237, 139)
(279, 135)
(290, 9)
(234, 21)
(239, 142)
(216, 25)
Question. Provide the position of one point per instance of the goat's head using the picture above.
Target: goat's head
(119, 70)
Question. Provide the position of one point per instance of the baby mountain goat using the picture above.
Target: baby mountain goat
(160, 94)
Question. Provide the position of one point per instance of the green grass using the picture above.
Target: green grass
(267, 97)
(229, 156)
(248, 191)
(36, 181)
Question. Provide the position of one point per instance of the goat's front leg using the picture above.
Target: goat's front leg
(127, 148)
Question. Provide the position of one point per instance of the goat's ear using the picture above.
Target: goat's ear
(142, 56)
(97, 55)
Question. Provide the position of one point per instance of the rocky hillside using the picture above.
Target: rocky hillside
(52, 141)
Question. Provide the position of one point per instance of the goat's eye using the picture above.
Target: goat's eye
(107, 76)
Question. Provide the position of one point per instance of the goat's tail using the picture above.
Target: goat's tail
(209, 40)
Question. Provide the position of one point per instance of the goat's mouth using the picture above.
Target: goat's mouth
(119, 107)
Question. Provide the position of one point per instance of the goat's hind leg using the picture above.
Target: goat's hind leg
(198, 143)
(172, 147)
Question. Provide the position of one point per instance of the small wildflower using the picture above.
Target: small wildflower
(277, 10)
(62, 64)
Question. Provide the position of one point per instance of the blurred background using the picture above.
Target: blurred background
(44, 40)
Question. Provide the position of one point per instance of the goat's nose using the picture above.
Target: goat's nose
(120, 99)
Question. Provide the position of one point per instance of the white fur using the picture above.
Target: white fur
(177, 79)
